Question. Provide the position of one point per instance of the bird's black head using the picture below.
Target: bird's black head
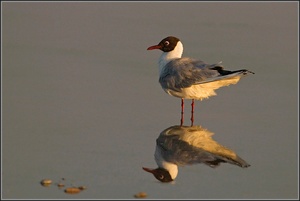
(166, 45)
(160, 174)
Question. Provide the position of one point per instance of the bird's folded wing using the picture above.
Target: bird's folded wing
(185, 72)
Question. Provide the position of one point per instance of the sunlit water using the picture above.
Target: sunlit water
(82, 102)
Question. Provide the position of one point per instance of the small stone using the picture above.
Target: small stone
(72, 190)
(82, 187)
(60, 185)
(140, 195)
(46, 182)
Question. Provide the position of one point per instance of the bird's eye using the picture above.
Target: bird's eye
(166, 43)
(161, 176)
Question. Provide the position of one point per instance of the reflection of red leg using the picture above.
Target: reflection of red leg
(182, 109)
(192, 113)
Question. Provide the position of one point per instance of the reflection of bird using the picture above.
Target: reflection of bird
(188, 78)
(183, 145)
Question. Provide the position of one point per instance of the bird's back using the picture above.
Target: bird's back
(195, 79)
(190, 145)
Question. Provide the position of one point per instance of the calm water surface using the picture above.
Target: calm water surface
(81, 98)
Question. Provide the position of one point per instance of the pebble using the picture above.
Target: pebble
(82, 187)
(60, 185)
(46, 182)
(140, 195)
(72, 190)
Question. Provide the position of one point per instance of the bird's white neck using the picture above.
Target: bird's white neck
(170, 167)
(168, 56)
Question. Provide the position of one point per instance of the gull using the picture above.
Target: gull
(189, 145)
(189, 78)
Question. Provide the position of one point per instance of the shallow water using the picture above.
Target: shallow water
(81, 98)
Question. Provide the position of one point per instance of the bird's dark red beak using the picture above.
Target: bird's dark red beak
(149, 170)
(154, 47)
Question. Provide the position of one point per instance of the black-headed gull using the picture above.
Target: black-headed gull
(185, 145)
(188, 78)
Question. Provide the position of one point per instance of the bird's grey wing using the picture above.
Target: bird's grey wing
(185, 72)
(217, 159)
(181, 153)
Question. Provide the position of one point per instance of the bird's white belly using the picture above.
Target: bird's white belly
(202, 91)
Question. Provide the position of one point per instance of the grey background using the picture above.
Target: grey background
(81, 98)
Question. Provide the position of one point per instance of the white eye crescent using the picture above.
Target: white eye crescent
(166, 43)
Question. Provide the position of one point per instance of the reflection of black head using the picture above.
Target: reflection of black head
(160, 174)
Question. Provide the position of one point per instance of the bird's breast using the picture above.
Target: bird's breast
(200, 91)
(193, 92)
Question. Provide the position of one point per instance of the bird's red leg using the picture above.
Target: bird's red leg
(192, 113)
(182, 109)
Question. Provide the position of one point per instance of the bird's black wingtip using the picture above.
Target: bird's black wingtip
(245, 71)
